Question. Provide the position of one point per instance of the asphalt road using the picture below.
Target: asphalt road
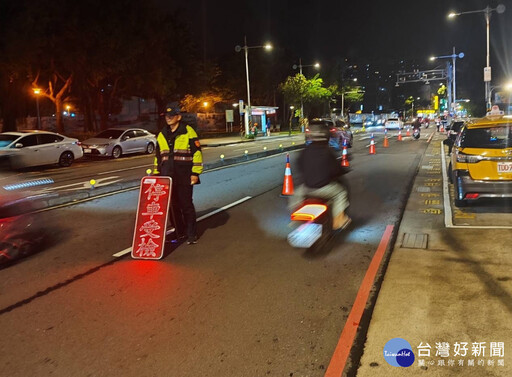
(107, 171)
(242, 302)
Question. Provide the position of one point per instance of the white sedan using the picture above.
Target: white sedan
(394, 124)
(34, 148)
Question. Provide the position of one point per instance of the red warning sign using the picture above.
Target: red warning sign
(151, 221)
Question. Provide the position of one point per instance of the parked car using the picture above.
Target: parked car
(339, 132)
(35, 148)
(394, 124)
(114, 142)
(481, 162)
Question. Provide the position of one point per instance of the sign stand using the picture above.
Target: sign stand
(152, 216)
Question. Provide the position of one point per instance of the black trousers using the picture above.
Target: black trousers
(183, 213)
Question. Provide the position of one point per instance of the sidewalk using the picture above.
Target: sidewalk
(443, 287)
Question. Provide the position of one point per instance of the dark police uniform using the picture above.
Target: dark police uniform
(184, 160)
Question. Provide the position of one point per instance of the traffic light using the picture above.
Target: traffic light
(443, 104)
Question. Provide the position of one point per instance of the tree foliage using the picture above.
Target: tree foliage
(93, 54)
(200, 103)
(298, 88)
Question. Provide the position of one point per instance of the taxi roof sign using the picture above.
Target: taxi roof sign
(495, 110)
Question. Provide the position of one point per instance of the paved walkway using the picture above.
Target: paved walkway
(446, 291)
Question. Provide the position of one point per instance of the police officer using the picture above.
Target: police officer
(178, 155)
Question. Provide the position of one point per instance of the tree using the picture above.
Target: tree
(35, 48)
(351, 94)
(196, 104)
(410, 102)
(87, 53)
(310, 92)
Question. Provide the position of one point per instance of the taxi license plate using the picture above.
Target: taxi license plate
(87, 150)
(504, 167)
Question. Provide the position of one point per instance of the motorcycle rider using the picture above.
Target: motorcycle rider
(321, 172)
(416, 125)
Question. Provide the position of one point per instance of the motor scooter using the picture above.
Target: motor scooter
(312, 223)
(416, 133)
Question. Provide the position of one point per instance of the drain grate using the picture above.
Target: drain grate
(415, 241)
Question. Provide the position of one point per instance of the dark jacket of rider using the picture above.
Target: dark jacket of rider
(318, 165)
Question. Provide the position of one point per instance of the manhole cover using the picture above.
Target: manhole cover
(415, 241)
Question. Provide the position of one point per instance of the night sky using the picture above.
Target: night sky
(363, 31)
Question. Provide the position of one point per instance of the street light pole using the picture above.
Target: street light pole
(454, 73)
(453, 95)
(37, 92)
(342, 112)
(38, 116)
(487, 70)
(300, 66)
(301, 99)
(246, 48)
(248, 109)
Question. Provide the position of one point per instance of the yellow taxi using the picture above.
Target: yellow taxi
(481, 160)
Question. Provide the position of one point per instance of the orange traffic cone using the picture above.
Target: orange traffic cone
(288, 182)
(385, 144)
(408, 131)
(372, 146)
(399, 138)
(344, 159)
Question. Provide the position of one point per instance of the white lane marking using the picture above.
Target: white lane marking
(249, 161)
(129, 250)
(122, 252)
(86, 184)
(224, 208)
(448, 208)
(448, 223)
(132, 168)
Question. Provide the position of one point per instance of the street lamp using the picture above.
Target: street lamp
(246, 48)
(37, 92)
(487, 70)
(300, 66)
(291, 117)
(507, 87)
(453, 56)
(342, 113)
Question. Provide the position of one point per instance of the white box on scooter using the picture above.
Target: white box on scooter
(305, 235)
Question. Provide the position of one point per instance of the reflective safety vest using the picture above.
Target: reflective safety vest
(183, 150)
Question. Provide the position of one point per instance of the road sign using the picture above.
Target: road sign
(229, 116)
(151, 221)
(487, 74)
